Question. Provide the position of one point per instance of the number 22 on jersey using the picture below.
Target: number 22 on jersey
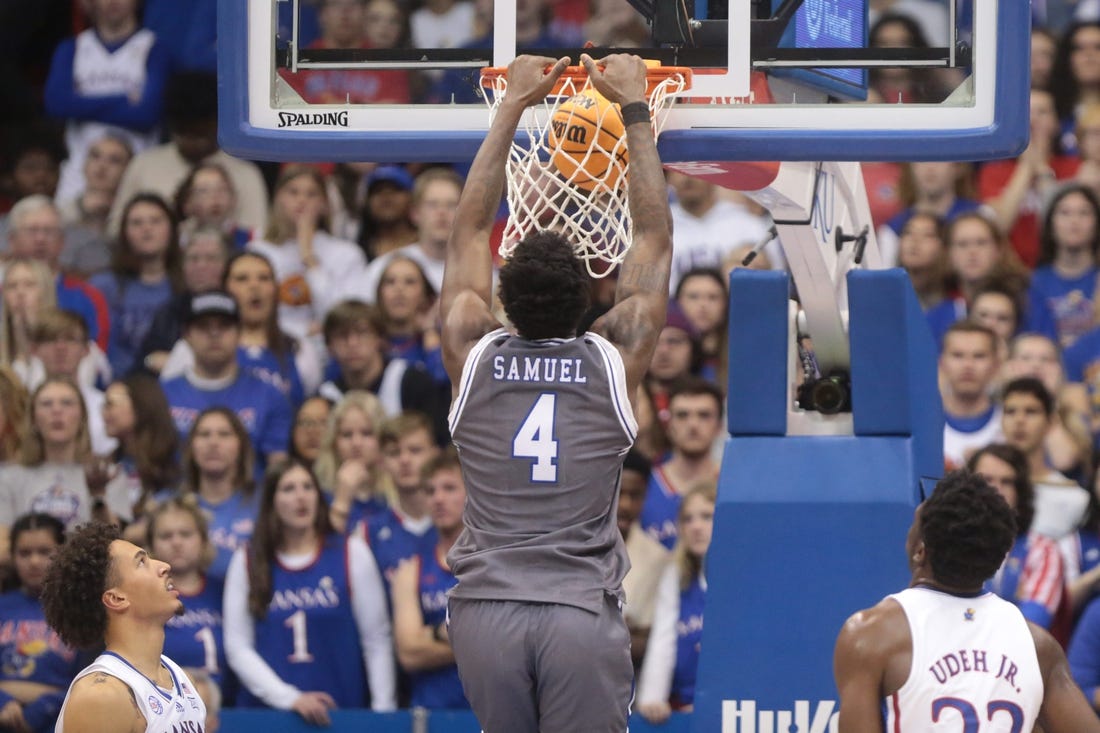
(970, 715)
(535, 439)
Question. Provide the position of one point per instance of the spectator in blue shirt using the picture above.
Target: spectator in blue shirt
(212, 329)
(145, 273)
(217, 470)
(1062, 296)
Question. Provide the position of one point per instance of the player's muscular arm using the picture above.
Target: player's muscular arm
(1065, 709)
(871, 661)
(641, 295)
(466, 297)
(100, 703)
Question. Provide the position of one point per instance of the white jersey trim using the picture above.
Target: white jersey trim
(620, 396)
(468, 371)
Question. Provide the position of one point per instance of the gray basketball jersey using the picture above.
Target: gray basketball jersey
(541, 428)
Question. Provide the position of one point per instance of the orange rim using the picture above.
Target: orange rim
(654, 75)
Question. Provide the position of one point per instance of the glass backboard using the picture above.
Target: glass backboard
(774, 79)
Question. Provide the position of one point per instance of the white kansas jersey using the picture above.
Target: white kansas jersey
(974, 666)
(179, 710)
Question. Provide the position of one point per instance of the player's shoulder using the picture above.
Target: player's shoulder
(469, 318)
(875, 630)
(100, 701)
(886, 611)
(1047, 649)
(874, 645)
(97, 684)
(624, 325)
(465, 324)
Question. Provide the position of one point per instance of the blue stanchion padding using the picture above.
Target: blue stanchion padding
(807, 530)
(894, 390)
(817, 469)
(810, 529)
(756, 401)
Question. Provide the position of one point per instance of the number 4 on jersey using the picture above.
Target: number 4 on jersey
(535, 439)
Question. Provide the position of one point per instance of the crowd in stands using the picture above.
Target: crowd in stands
(240, 363)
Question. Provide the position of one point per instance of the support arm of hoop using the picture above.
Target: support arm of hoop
(809, 201)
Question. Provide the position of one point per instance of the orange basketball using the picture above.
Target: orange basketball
(584, 131)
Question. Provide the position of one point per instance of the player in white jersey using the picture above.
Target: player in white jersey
(104, 591)
(944, 655)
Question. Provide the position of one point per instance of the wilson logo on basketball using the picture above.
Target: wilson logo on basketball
(586, 141)
(572, 133)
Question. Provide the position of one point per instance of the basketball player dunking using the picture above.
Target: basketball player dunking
(542, 418)
(946, 655)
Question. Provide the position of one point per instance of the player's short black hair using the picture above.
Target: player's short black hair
(544, 287)
(967, 528)
(72, 596)
(1032, 386)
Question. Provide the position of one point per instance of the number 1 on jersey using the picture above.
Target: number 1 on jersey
(205, 636)
(535, 439)
(296, 622)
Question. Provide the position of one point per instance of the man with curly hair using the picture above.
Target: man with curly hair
(102, 591)
(542, 419)
(946, 654)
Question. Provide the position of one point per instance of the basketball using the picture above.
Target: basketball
(584, 131)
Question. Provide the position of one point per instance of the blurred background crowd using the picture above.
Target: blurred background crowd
(239, 362)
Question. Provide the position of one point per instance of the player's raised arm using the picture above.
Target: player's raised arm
(464, 303)
(641, 296)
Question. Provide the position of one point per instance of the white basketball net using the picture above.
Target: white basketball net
(597, 221)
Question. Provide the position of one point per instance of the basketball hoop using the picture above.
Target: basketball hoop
(588, 209)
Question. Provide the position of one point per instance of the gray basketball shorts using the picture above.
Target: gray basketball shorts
(543, 667)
